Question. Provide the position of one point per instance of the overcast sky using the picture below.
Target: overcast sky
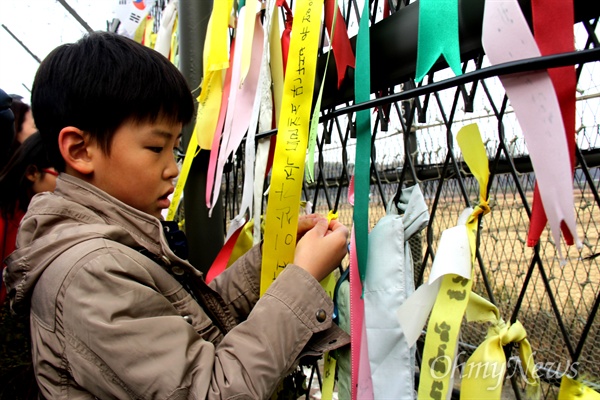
(41, 25)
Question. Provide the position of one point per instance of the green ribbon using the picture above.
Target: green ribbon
(362, 163)
(438, 35)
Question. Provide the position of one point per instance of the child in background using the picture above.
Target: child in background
(24, 124)
(115, 312)
(7, 128)
(27, 173)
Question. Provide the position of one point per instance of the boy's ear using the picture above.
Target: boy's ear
(75, 149)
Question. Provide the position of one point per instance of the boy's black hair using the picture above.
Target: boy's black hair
(102, 81)
(16, 189)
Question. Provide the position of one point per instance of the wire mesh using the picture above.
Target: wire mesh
(413, 143)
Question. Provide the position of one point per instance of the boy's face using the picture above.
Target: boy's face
(140, 168)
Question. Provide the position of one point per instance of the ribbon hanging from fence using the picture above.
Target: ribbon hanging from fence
(342, 50)
(360, 374)
(216, 59)
(288, 165)
(437, 36)
(483, 373)
(314, 122)
(553, 26)
(570, 389)
(452, 298)
(240, 106)
(506, 37)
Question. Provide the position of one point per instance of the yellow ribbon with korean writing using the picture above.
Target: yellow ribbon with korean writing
(571, 389)
(288, 164)
(453, 296)
(483, 373)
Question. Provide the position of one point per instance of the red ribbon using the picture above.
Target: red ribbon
(342, 50)
(285, 36)
(553, 22)
(220, 263)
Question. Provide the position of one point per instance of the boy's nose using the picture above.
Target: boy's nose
(172, 169)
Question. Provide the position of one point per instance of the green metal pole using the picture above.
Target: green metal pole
(205, 235)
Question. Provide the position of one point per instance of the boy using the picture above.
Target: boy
(109, 315)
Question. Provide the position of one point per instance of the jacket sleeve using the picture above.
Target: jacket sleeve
(239, 285)
(124, 339)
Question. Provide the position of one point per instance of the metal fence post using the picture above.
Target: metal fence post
(205, 235)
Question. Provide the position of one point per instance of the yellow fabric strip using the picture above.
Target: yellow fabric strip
(209, 105)
(483, 373)
(452, 299)
(216, 59)
(138, 35)
(442, 335)
(216, 45)
(149, 36)
(174, 41)
(329, 362)
(570, 389)
(292, 137)
(190, 153)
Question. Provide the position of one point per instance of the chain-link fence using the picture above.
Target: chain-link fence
(413, 142)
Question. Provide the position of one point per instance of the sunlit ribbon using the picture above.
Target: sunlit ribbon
(288, 168)
(570, 389)
(438, 35)
(553, 26)
(453, 296)
(216, 59)
(483, 373)
(506, 37)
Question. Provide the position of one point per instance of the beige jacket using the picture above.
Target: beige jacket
(108, 322)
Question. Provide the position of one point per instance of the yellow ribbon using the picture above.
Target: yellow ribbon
(216, 56)
(288, 164)
(484, 371)
(174, 42)
(329, 362)
(453, 296)
(570, 389)
(190, 153)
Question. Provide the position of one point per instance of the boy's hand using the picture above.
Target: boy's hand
(322, 248)
(306, 223)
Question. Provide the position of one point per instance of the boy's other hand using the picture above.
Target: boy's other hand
(322, 248)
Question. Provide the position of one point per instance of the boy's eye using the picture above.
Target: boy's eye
(155, 149)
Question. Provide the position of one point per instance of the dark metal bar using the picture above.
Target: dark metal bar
(200, 229)
(76, 16)
(36, 58)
